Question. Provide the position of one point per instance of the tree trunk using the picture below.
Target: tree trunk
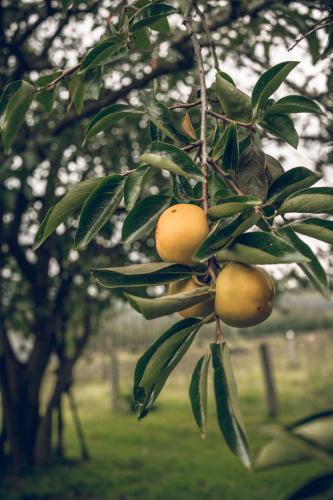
(21, 413)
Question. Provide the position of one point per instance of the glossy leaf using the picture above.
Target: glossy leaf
(154, 367)
(309, 201)
(198, 393)
(230, 155)
(258, 247)
(290, 182)
(105, 52)
(98, 209)
(235, 103)
(72, 201)
(93, 82)
(152, 273)
(227, 77)
(219, 144)
(313, 269)
(76, 89)
(181, 187)
(17, 104)
(273, 169)
(150, 14)
(142, 219)
(269, 82)
(227, 404)
(250, 175)
(45, 99)
(108, 116)
(168, 157)
(162, 118)
(281, 126)
(316, 228)
(294, 104)
(134, 185)
(232, 205)
(167, 304)
(224, 233)
(7, 93)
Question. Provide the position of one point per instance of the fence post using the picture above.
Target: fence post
(269, 380)
(114, 378)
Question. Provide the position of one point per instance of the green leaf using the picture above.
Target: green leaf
(162, 118)
(168, 157)
(76, 89)
(269, 82)
(227, 77)
(298, 442)
(230, 155)
(142, 219)
(150, 14)
(258, 247)
(235, 103)
(142, 40)
(273, 169)
(312, 269)
(45, 99)
(8, 92)
(227, 404)
(64, 208)
(134, 185)
(152, 273)
(17, 104)
(66, 4)
(198, 393)
(98, 209)
(181, 187)
(168, 304)
(281, 126)
(232, 205)
(310, 201)
(318, 487)
(162, 26)
(219, 143)
(250, 175)
(93, 82)
(224, 233)
(316, 228)
(154, 367)
(290, 182)
(105, 52)
(108, 116)
(294, 104)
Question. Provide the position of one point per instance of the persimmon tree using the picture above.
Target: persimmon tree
(211, 149)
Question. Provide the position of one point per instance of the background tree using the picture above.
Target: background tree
(41, 294)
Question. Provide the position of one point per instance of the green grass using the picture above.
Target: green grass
(163, 456)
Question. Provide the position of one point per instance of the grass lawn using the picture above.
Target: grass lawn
(163, 456)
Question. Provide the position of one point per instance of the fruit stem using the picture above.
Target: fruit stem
(218, 335)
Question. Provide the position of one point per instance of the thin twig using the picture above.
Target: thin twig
(229, 120)
(194, 145)
(225, 176)
(204, 102)
(315, 27)
(218, 334)
(185, 105)
(63, 74)
(209, 36)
